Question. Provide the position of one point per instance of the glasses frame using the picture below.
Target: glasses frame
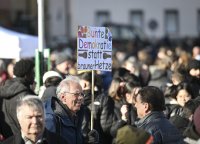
(76, 94)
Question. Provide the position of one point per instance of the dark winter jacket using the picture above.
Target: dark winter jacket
(158, 78)
(48, 93)
(103, 113)
(62, 74)
(172, 110)
(180, 122)
(59, 120)
(117, 121)
(191, 133)
(48, 138)
(10, 92)
(160, 128)
(195, 85)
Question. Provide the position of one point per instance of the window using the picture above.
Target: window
(136, 19)
(102, 17)
(171, 22)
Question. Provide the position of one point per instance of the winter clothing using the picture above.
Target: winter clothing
(60, 120)
(195, 85)
(196, 120)
(160, 128)
(23, 67)
(103, 112)
(50, 74)
(51, 79)
(117, 120)
(15, 139)
(60, 73)
(48, 138)
(62, 57)
(193, 64)
(191, 136)
(132, 135)
(194, 81)
(192, 133)
(48, 93)
(172, 107)
(13, 90)
(172, 110)
(158, 78)
(180, 122)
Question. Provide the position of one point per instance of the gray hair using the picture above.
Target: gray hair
(65, 84)
(32, 101)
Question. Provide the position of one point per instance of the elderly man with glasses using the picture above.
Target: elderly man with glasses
(64, 112)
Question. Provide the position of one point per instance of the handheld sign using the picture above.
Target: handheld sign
(94, 52)
(94, 48)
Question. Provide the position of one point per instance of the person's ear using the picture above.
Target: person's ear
(128, 97)
(84, 85)
(147, 107)
(62, 97)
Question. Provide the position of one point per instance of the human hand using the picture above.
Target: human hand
(93, 137)
(124, 112)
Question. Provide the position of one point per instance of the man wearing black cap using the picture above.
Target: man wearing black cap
(13, 90)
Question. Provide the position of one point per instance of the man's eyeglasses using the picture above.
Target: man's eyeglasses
(76, 94)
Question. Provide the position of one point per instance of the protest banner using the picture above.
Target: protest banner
(94, 48)
(94, 52)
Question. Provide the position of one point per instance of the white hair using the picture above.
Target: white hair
(32, 101)
(65, 84)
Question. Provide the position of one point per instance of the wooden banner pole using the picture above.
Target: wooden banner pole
(92, 101)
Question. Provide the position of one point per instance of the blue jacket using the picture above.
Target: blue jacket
(59, 120)
(160, 128)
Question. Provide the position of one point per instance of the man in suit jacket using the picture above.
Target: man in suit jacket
(30, 115)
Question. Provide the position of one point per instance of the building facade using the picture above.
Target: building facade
(157, 18)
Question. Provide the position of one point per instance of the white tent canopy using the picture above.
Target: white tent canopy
(16, 45)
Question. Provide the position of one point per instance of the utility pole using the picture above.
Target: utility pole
(41, 43)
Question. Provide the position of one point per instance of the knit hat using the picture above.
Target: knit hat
(62, 57)
(196, 120)
(132, 135)
(194, 64)
(50, 74)
(23, 67)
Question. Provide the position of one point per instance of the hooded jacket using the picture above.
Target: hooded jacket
(10, 92)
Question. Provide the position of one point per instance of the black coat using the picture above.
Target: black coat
(10, 92)
(103, 113)
(48, 138)
(172, 110)
(15, 139)
(195, 85)
(191, 133)
(117, 121)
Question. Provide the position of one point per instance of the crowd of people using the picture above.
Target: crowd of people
(143, 100)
